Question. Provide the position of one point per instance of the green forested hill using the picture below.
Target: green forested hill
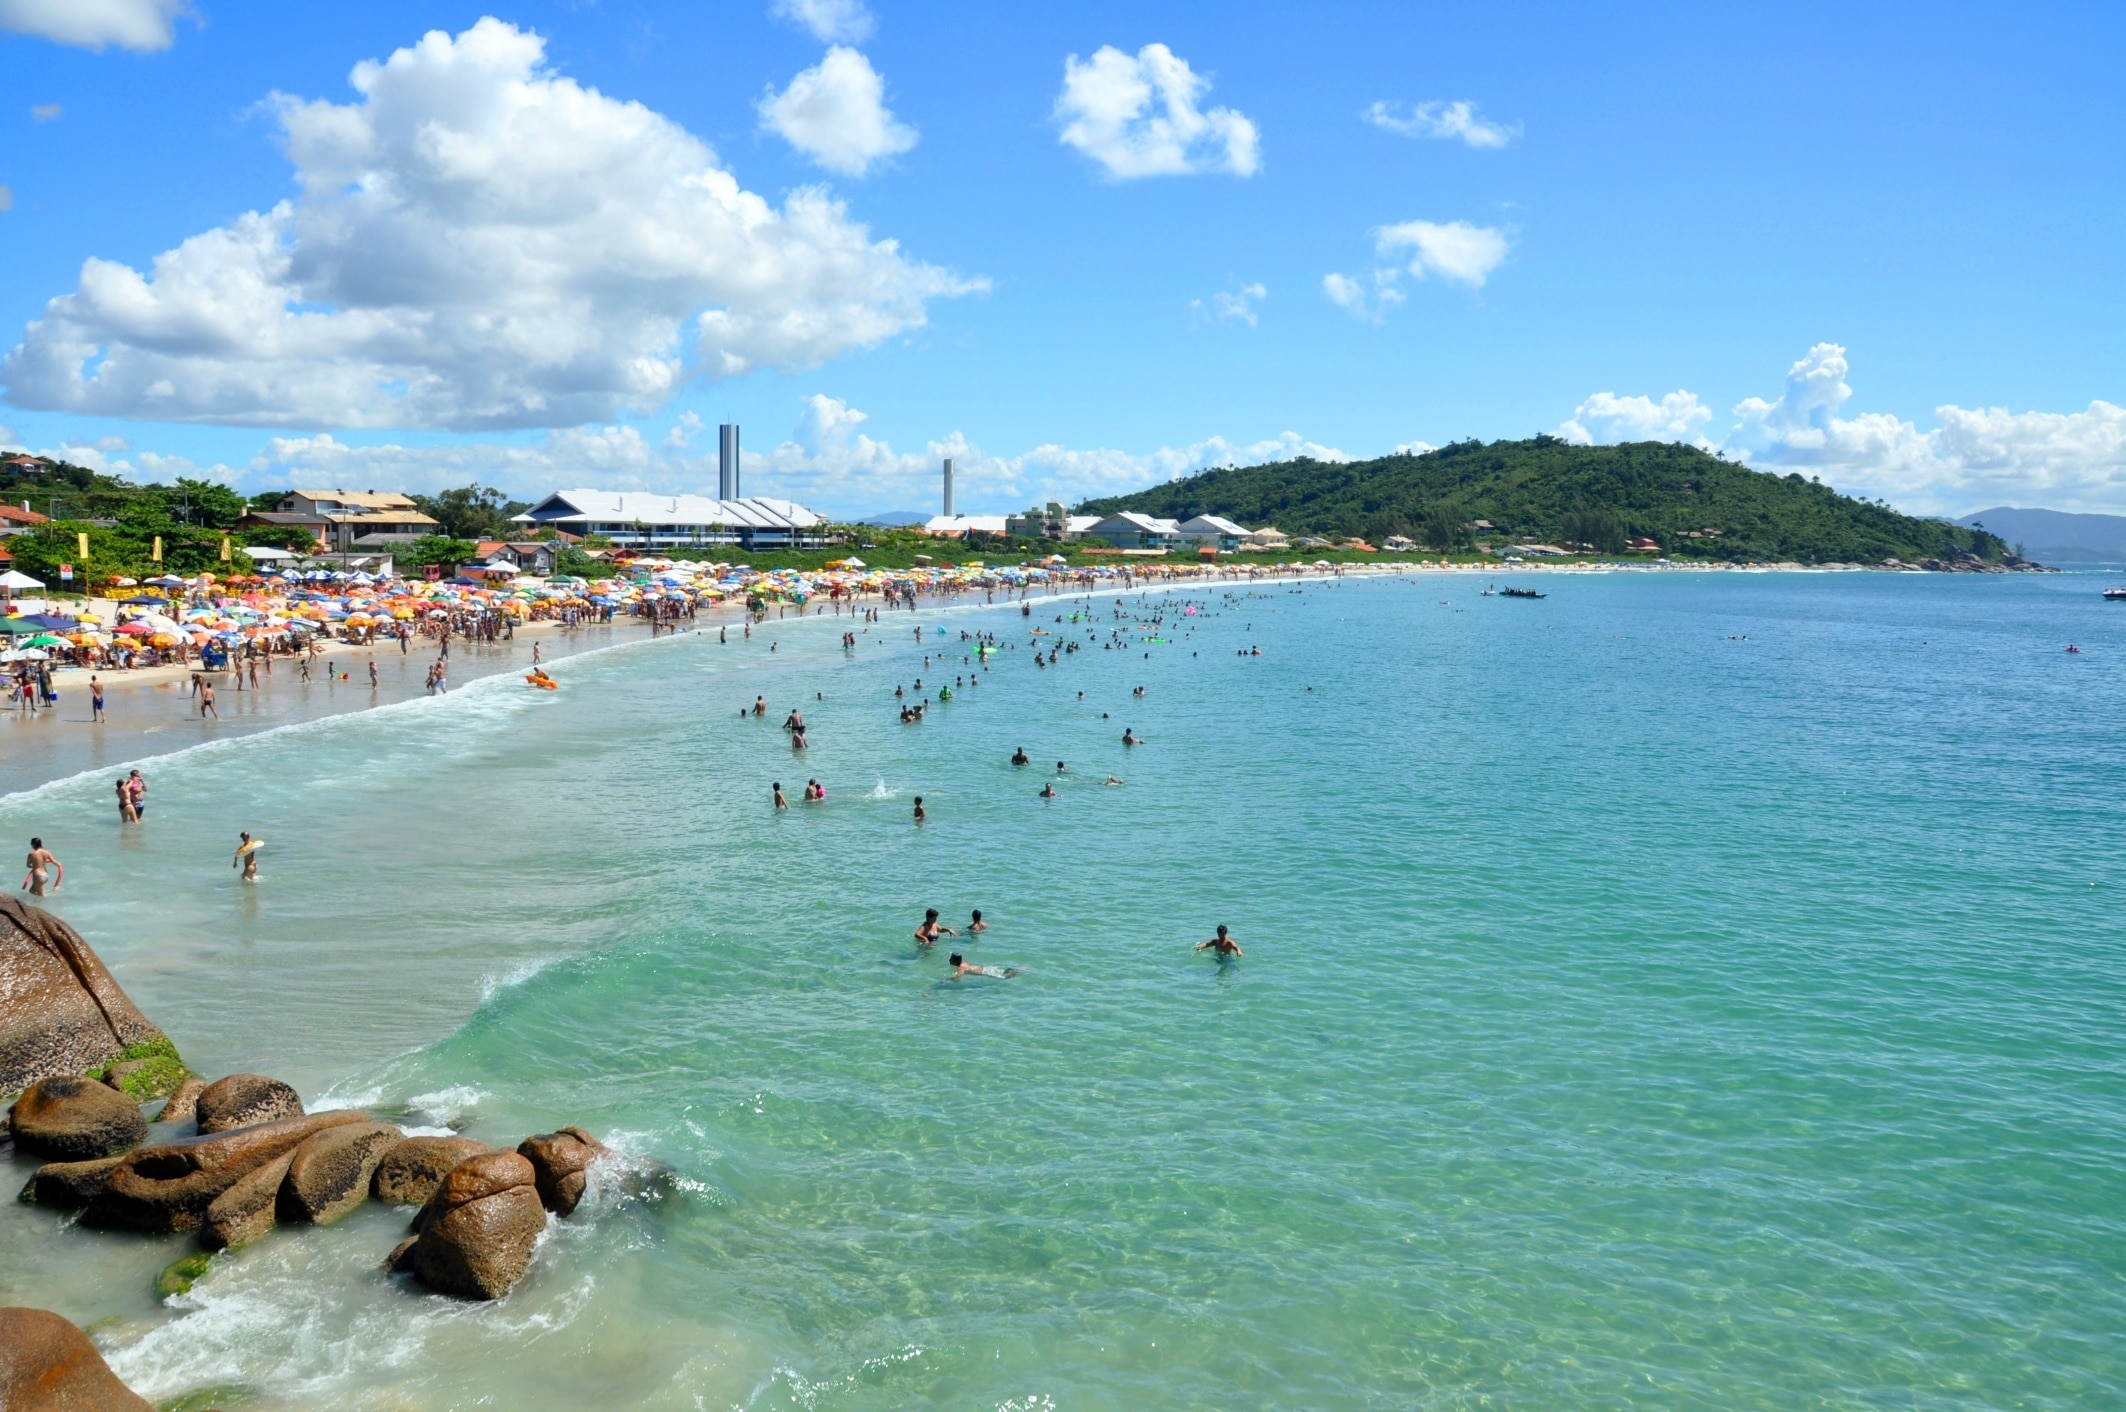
(1546, 491)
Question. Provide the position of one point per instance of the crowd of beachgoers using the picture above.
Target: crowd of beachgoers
(218, 622)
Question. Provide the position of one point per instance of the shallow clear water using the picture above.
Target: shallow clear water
(1630, 1014)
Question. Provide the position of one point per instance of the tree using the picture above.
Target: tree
(435, 549)
(472, 512)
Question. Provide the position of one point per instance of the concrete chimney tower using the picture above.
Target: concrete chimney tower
(948, 487)
(727, 461)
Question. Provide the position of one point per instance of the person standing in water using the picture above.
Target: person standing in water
(125, 805)
(42, 863)
(780, 802)
(1222, 944)
(928, 933)
(138, 788)
(246, 857)
(919, 814)
(95, 699)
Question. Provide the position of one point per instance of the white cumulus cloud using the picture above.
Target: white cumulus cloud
(1449, 120)
(1972, 456)
(1606, 418)
(828, 20)
(1457, 250)
(142, 25)
(1139, 116)
(477, 242)
(1234, 306)
(835, 113)
(1364, 297)
(45, 112)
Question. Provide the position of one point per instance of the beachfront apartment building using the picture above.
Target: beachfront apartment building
(638, 520)
(353, 517)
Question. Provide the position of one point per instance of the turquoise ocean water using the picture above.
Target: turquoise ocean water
(1695, 991)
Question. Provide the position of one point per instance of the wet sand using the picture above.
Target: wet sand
(152, 712)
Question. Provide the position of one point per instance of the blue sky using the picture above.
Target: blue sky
(1081, 248)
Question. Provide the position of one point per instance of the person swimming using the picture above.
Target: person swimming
(1018, 757)
(1048, 790)
(977, 925)
(963, 967)
(1130, 737)
(1224, 945)
(928, 933)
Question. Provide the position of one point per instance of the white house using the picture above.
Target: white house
(1131, 530)
(639, 520)
(1209, 531)
(961, 524)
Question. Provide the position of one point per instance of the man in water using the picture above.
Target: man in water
(977, 925)
(780, 802)
(95, 699)
(372, 671)
(919, 814)
(246, 857)
(1048, 790)
(42, 863)
(928, 933)
(1018, 757)
(1222, 944)
(760, 706)
(962, 967)
(1129, 737)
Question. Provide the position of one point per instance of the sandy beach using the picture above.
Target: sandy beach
(152, 711)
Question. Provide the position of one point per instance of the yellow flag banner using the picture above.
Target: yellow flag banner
(81, 542)
(157, 554)
(225, 549)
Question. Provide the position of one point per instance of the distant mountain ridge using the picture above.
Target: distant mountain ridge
(1543, 490)
(2057, 536)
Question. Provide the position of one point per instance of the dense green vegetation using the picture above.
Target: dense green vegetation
(474, 512)
(1546, 491)
(122, 520)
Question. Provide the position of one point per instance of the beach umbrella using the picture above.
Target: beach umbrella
(25, 654)
(168, 581)
(45, 640)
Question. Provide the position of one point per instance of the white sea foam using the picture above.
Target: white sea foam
(447, 1105)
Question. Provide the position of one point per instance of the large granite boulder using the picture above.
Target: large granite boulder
(48, 1365)
(60, 1011)
(478, 1230)
(67, 1186)
(329, 1175)
(560, 1163)
(413, 1169)
(246, 1211)
(244, 1101)
(168, 1186)
(183, 1105)
(71, 1119)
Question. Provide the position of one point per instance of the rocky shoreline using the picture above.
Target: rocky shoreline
(134, 1142)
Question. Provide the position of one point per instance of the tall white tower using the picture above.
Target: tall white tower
(948, 487)
(727, 461)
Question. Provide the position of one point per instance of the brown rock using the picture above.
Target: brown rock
(60, 1011)
(477, 1231)
(329, 1175)
(168, 1186)
(400, 1260)
(243, 1101)
(559, 1162)
(73, 1120)
(67, 1186)
(183, 1105)
(411, 1171)
(48, 1365)
(246, 1211)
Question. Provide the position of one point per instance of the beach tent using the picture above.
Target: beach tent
(168, 581)
(14, 579)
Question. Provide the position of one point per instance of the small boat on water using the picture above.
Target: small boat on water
(1519, 593)
(2117, 595)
